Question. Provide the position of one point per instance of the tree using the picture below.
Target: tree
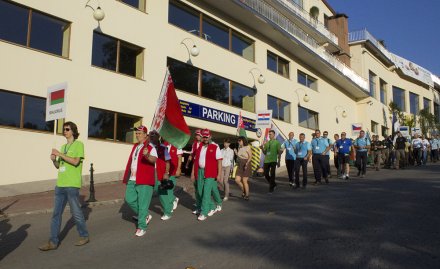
(394, 109)
(426, 121)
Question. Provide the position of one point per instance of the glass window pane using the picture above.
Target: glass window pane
(273, 105)
(35, 114)
(243, 97)
(133, 3)
(101, 123)
(125, 124)
(13, 23)
(10, 109)
(427, 104)
(271, 62)
(185, 77)
(372, 81)
(215, 87)
(437, 112)
(413, 103)
(215, 32)
(47, 33)
(128, 57)
(303, 117)
(399, 98)
(302, 78)
(104, 51)
(284, 111)
(283, 67)
(184, 17)
(243, 46)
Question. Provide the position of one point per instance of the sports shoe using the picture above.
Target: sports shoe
(165, 217)
(202, 218)
(291, 184)
(148, 219)
(225, 199)
(196, 212)
(175, 203)
(135, 218)
(219, 208)
(48, 246)
(140, 232)
(82, 241)
(211, 213)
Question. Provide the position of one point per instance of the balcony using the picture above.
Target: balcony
(373, 44)
(305, 18)
(275, 17)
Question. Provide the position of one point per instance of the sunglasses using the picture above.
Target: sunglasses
(66, 129)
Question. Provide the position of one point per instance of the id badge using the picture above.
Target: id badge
(317, 148)
(341, 147)
(62, 169)
(268, 153)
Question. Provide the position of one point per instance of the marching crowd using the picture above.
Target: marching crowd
(154, 165)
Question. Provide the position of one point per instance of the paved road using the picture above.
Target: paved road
(388, 220)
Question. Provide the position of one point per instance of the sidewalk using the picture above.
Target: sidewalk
(105, 193)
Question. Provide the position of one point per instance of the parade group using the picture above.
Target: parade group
(153, 166)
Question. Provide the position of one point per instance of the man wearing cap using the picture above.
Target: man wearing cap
(196, 144)
(175, 170)
(289, 146)
(140, 178)
(207, 169)
(320, 148)
(162, 174)
(344, 146)
(362, 145)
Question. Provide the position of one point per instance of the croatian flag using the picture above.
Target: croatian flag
(263, 116)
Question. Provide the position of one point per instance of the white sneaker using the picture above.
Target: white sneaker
(140, 232)
(148, 219)
(218, 208)
(165, 217)
(211, 213)
(225, 199)
(202, 217)
(196, 212)
(175, 203)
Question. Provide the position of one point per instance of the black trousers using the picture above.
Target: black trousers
(361, 161)
(336, 163)
(269, 173)
(327, 164)
(301, 163)
(418, 155)
(319, 162)
(434, 153)
(290, 164)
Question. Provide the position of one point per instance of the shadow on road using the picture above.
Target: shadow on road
(9, 241)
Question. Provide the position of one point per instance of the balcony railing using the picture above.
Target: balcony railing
(362, 35)
(270, 13)
(306, 17)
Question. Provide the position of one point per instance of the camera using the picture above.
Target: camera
(166, 184)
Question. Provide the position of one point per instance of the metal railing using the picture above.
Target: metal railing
(270, 13)
(362, 35)
(306, 17)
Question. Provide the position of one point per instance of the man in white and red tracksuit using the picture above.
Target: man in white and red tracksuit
(162, 173)
(198, 185)
(207, 169)
(140, 178)
(175, 170)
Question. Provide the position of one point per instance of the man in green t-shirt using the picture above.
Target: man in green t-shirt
(68, 161)
(272, 158)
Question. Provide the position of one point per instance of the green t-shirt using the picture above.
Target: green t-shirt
(272, 148)
(69, 175)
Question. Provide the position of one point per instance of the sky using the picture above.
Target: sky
(411, 29)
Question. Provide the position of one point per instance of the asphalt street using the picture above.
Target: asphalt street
(390, 219)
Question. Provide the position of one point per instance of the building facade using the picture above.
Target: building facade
(115, 69)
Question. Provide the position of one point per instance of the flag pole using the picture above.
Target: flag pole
(160, 95)
(279, 129)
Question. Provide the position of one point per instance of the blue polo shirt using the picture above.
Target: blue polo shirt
(319, 145)
(302, 148)
(434, 143)
(362, 142)
(343, 146)
(330, 142)
(289, 145)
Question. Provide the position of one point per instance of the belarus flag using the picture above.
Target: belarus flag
(57, 97)
(168, 120)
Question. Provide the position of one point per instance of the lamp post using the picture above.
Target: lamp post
(306, 98)
(98, 13)
(261, 78)
(193, 51)
(343, 114)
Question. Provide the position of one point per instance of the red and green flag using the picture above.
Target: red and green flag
(241, 131)
(168, 120)
(57, 97)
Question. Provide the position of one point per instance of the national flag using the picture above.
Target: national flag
(241, 131)
(57, 97)
(367, 136)
(396, 124)
(263, 116)
(168, 120)
(356, 127)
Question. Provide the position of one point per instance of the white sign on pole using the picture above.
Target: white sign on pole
(404, 130)
(56, 102)
(416, 130)
(264, 119)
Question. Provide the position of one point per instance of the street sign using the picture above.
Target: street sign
(56, 102)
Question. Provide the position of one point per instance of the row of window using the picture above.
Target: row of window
(398, 95)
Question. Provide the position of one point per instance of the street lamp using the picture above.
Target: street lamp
(98, 13)
(261, 78)
(343, 114)
(194, 51)
(306, 98)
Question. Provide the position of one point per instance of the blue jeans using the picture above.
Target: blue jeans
(62, 196)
